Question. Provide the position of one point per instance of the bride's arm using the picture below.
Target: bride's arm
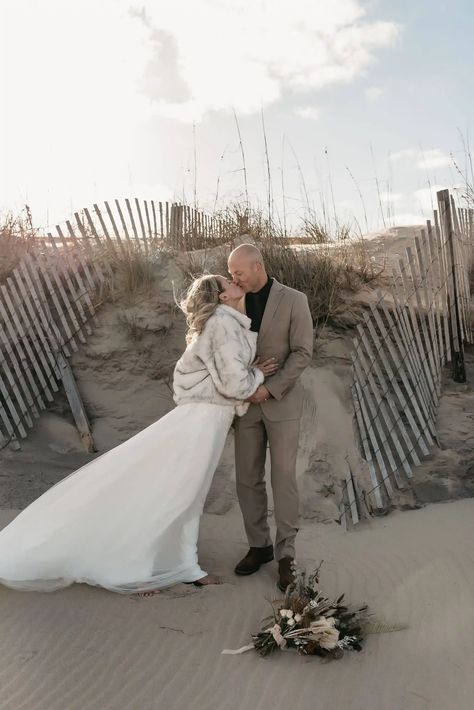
(223, 351)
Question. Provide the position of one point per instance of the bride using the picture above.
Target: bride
(129, 520)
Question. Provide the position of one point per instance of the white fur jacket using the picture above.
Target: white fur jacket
(215, 366)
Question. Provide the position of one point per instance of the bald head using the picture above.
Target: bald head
(247, 251)
(247, 268)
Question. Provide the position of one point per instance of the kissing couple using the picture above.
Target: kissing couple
(129, 520)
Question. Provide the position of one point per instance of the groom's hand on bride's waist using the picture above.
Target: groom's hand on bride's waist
(259, 396)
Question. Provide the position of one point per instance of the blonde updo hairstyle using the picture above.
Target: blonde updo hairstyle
(200, 303)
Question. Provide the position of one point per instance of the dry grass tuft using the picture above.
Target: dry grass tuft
(133, 272)
(131, 324)
(316, 231)
(325, 268)
(17, 238)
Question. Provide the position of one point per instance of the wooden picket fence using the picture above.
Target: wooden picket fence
(142, 225)
(415, 329)
(48, 303)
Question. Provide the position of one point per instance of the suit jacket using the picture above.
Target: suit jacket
(286, 332)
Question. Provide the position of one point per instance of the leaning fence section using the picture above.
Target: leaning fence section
(47, 309)
(48, 303)
(416, 328)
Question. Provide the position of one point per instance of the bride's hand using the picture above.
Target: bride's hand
(268, 366)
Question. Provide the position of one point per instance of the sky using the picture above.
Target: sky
(366, 105)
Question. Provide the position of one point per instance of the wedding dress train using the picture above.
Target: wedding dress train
(128, 521)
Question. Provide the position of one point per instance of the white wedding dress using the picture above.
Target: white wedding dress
(128, 521)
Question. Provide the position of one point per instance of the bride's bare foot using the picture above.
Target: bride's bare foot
(207, 580)
(151, 593)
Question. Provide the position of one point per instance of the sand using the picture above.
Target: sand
(84, 648)
(87, 648)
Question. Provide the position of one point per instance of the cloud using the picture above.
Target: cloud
(390, 197)
(403, 154)
(234, 54)
(423, 159)
(161, 78)
(402, 219)
(426, 197)
(374, 93)
(434, 159)
(307, 112)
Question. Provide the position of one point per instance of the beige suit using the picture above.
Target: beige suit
(286, 333)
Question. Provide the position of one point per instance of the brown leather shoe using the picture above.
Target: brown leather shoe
(254, 559)
(286, 572)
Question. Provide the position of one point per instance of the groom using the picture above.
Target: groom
(281, 317)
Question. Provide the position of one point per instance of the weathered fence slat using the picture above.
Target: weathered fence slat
(8, 405)
(80, 257)
(92, 227)
(105, 231)
(48, 267)
(444, 285)
(20, 397)
(33, 328)
(18, 363)
(96, 257)
(155, 226)
(132, 222)
(123, 222)
(426, 283)
(436, 286)
(18, 332)
(142, 225)
(167, 217)
(84, 291)
(83, 261)
(369, 395)
(376, 492)
(416, 294)
(36, 315)
(417, 350)
(390, 415)
(379, 351)
(373, 440)
(75, 308)
(386, 378)
(148, 223)
(114, 226)
(56, 336)
(162, 233)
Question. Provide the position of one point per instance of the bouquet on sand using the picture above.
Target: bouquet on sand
(310, 623)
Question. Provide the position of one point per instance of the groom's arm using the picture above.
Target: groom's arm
(301, 349)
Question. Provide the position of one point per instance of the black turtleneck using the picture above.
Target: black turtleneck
(255, 305)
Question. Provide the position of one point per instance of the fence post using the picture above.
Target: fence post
(76, 404)
(457, 348)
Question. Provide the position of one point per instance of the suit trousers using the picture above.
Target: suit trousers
(253, 432)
